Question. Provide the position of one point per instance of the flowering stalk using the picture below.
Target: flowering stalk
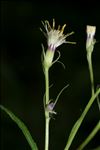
(89, 48)
(47, 119)
(55, 38)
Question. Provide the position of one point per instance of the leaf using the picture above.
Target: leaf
(90, 136)
(73, 133)
(98, 148)
(79, 121)
(22, 126)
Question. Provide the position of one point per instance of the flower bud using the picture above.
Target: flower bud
(90, 30)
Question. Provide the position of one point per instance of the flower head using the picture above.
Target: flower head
(90, 30)
(55, 37)
(50, 108)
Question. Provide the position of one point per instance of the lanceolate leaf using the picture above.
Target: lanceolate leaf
(79, 121)
(22, 126)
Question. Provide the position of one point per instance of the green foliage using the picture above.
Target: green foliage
(90, 136)
(22, 126)
(79, 121)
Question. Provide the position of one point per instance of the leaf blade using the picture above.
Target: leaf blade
(22, 126)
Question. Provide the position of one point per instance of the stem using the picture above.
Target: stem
(90, 136)
(47, 84)
(47, 119)
(89, 59)
(97, 127)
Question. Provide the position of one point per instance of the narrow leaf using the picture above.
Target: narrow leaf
(22, 126)
(90, 136)
(80, 120)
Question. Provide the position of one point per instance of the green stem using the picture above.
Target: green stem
(47, 133)
(47, 84)
(47, 119)
(90, 136)
(95, 130)
(89, 59)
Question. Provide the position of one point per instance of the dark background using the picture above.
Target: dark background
(22, 78)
